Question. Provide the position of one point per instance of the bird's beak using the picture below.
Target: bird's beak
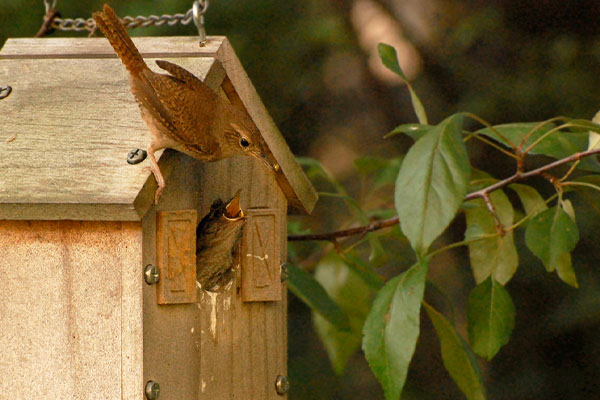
(233, 210)
(262, 156)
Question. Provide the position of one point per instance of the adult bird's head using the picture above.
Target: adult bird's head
(244, 138)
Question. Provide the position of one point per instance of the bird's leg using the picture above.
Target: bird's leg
(160, 181)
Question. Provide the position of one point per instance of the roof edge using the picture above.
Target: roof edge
(293, 181)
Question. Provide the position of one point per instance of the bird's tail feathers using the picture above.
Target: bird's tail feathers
(115, 32)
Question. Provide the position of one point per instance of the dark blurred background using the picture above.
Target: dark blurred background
(315, 65)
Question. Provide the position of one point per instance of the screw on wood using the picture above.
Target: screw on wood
(282, 385)
(136, 156)
(151, 275)
(152, 390)
(5, 91)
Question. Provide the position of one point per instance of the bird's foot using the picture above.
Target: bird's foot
(160, 181)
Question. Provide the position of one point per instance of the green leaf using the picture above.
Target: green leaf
(557, 144)
(432, 183)
(315, 170)
(415, 131)
(354, 298)
(568, 207)
(565, 270)
(512, 134)
(307, 289)
(493, 254)
(378, 254)
(491, 317)
(383, 171)
(352, 205)
(593, 141)
(532, 201)
(364, 271)
(550, 234)
(389, 58)
(392, 328)
(458, 359)
(594, 137)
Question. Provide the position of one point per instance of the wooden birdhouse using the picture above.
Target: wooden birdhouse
(80, 236)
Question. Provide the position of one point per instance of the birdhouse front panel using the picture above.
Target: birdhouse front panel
(220, 346)
(71, 317)
(78, 227)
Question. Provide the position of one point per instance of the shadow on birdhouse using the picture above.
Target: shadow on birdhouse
(75, 212)
(217, 243)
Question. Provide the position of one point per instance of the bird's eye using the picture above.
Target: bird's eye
(244, 142)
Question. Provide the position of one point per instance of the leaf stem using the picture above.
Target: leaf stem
(490, 127)
(490, 143)
(537, 127)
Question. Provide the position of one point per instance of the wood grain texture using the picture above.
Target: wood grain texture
(98, 47)
(72, 325)
(260, 260)
(243, 345)
(171, 337)
(219, 347)
(176, 256)
(73, 123)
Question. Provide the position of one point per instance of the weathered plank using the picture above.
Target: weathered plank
(98, 47)
(71, 106)
(171, 353)
(243, 345)
(72, 314)
(66, 130)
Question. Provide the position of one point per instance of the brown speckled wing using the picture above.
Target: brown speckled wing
(189, 112)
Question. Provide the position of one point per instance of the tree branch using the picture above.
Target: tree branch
(331, 236)
(482, 193)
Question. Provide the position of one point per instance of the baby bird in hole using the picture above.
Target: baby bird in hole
(180, 110)
(217, 242)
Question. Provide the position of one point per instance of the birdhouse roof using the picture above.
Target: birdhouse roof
(70, 121)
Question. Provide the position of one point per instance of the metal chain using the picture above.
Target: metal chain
(195, 14)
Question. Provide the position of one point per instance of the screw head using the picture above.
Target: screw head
(152, 390)
(282, 385)
(136, 156)
(5, 91)
(151, 274)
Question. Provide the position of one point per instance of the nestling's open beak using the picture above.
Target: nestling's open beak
(233, 210)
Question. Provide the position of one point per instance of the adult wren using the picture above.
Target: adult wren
(217, 239)
(180, 110)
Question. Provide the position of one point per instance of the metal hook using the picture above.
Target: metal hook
(198, 14)
(50, 6)
(5, 91)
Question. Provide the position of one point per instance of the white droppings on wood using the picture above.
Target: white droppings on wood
(226, 303)
(266, 256)
(192, 330)
(213, 313)
(203, 387)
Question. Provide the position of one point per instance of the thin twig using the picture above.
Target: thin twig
(373, 226)
(491, 128)
(482, 193)
(538, 171)
(492, 210)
